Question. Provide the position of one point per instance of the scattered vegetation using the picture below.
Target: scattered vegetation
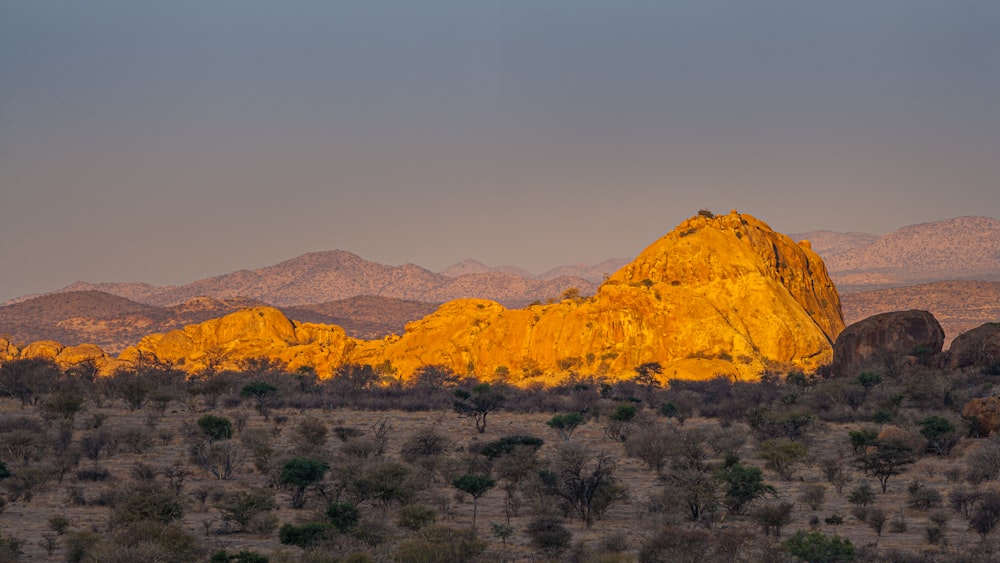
(263, 464)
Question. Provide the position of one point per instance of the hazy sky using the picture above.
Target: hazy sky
(169, 141)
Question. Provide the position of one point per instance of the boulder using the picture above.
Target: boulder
(984, 413)
(8, 351)
(887, 342)
(977, 348)
(48, 349)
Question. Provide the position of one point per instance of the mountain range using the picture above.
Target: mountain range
(873, 274)
(963, 248)
(321, 277)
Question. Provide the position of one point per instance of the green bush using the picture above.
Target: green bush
(343, 516)
(301, 473)
(817, 547)
(245, 556)
(216, 427)
(506, 445)
(304, 536)
(549, 535)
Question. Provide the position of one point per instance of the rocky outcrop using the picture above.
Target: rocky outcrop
(47, 349)
(886, 342)
(979, 347)
(984, 414)
(717, 295)
(8, 351)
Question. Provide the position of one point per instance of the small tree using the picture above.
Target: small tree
(216, 427)
(782, 456)
(434, 377)
(986, 515)
(773, 517)
(343, 516)
(861, 439)
(647, 375)
(478, 403)
(245, 508)
(475, 486)
(743, 485)
(876, 520)
(565, 424)
(63, 405)
(586, 484)
(619, 424)
(885, 459)
(940, 433)
(861, 496)
(260, 393)
(300, 474)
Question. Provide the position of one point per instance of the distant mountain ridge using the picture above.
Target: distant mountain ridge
(963, 248)
(828, 243)
(594, 273)
(952, 249)
(320, 277)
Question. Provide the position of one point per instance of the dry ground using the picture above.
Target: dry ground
(630, 523)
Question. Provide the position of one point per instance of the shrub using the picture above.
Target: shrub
(416, 516)
(147, 502)
(507, 444)
(817, 547)
(301, 473)
(244, 556)
(245, 508)
(773, 517)
(216, 427)
(782, 456)
(743, 485)
(548, 535)
(922, 497)
(310, 434)
(813, 495)
(304, 536)
(440, 544)
(677, 544)
(565, 424)
(343, 516)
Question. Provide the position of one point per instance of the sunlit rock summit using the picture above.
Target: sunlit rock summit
(717, 295)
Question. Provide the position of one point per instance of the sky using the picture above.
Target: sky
(165, 142)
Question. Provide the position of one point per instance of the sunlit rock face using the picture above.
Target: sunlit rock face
(250, 333)
(717, 295)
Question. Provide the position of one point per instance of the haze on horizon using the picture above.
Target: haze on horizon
(167, 142)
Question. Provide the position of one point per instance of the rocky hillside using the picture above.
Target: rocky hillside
(828, 243)
(958, 305)
(717, 295)
(320, 277)
(955, 249)
(594, 273)
(113, 322)
(109, 321)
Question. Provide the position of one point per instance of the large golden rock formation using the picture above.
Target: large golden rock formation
(717, 295)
